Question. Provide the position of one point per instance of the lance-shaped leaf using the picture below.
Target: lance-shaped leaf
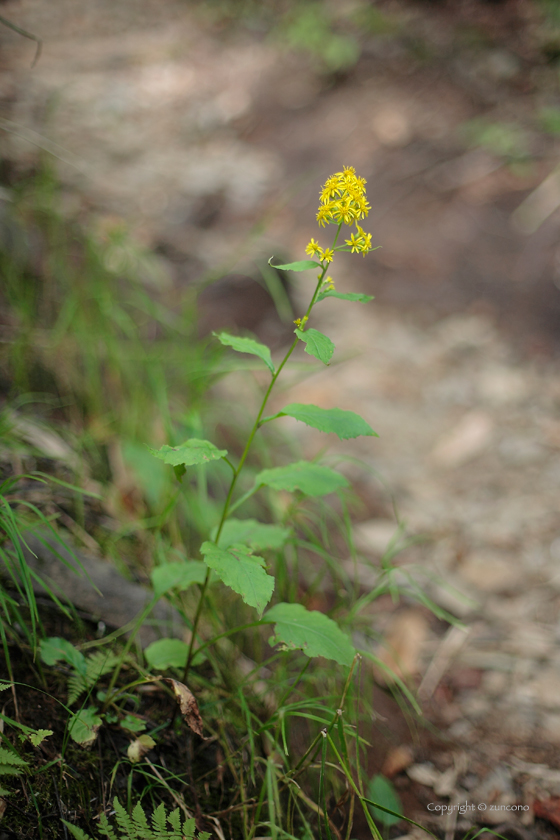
(345, 424)
(311, 479)
(255, 534)
(242, 571)
(316, 344)
(190, 452)
(177, 576)
(300, 265)
(344, 296)
(247, 345)
(312, 632)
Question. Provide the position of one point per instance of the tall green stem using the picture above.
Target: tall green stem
(243, 458)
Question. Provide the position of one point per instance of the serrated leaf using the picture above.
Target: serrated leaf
(84, 725)
(344, 296)
(177, 576)
(255, 534)
(312, 632)
(344, 424)
(242, 571)
(39, 736)
(383, 792)
(138, 749)
(190, 452)
(167, 653)
(299, 265)
(55, 650)
(317, 344)
(4, 686)
(311, 479)
(247, 345)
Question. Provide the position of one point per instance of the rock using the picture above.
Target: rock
(375, 535)
(490, 571)
(547, 688)
(469, 438)
(104, 593)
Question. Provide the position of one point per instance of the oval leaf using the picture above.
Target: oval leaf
(312, 632)
(311, 479)
(55, 649)
(83, 726)
(177, 576)
(342, 296)
(300, 265)
(383, 793)
(317, 344)
(344, 424)
(190, 452)
(167, 653)
(247, 345)
(242, 571)
(255, 534)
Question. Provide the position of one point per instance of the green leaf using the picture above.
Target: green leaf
(10, 763)
(317, 344)
(177, 576)
(242, 571)
(344, 424)
(132, 724)
(311, 479)
(314, 633)
(167, 653)
(300, 265)
(179, 471)
(344, 296)
(247, 345)
(255, 534)
(83, 726)
(38, 736)
(55, 649)
(76, 832)
(383, 793)
(190, 452)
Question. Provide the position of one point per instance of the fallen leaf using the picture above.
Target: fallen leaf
(548, 809)
(188, 706)
(402, 647)
(397, 760)
(138, 748)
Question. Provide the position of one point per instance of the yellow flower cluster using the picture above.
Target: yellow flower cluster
(343, 201)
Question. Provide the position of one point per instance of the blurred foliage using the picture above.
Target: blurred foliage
(505, 140)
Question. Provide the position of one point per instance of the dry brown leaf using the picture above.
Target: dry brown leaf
(188, 706)
(397, 760)
(402, 646)
(3, 806)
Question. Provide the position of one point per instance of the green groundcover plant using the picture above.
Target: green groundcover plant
(297, 760)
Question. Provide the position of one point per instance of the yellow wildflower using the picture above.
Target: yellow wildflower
(327, 255)
(300, 322)
(355, 242)
(313, 248)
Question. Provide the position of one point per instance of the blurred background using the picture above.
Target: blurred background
(157, 154)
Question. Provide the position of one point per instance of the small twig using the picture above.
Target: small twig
(25, 34)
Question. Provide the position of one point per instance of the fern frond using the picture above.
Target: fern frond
(141, 826)
(76, 832)
(123, 820)
(159, 822)
(97, 665)
(174, 820)
(189, 827)
(105, 828)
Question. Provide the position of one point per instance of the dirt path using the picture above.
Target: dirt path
(190, 134)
